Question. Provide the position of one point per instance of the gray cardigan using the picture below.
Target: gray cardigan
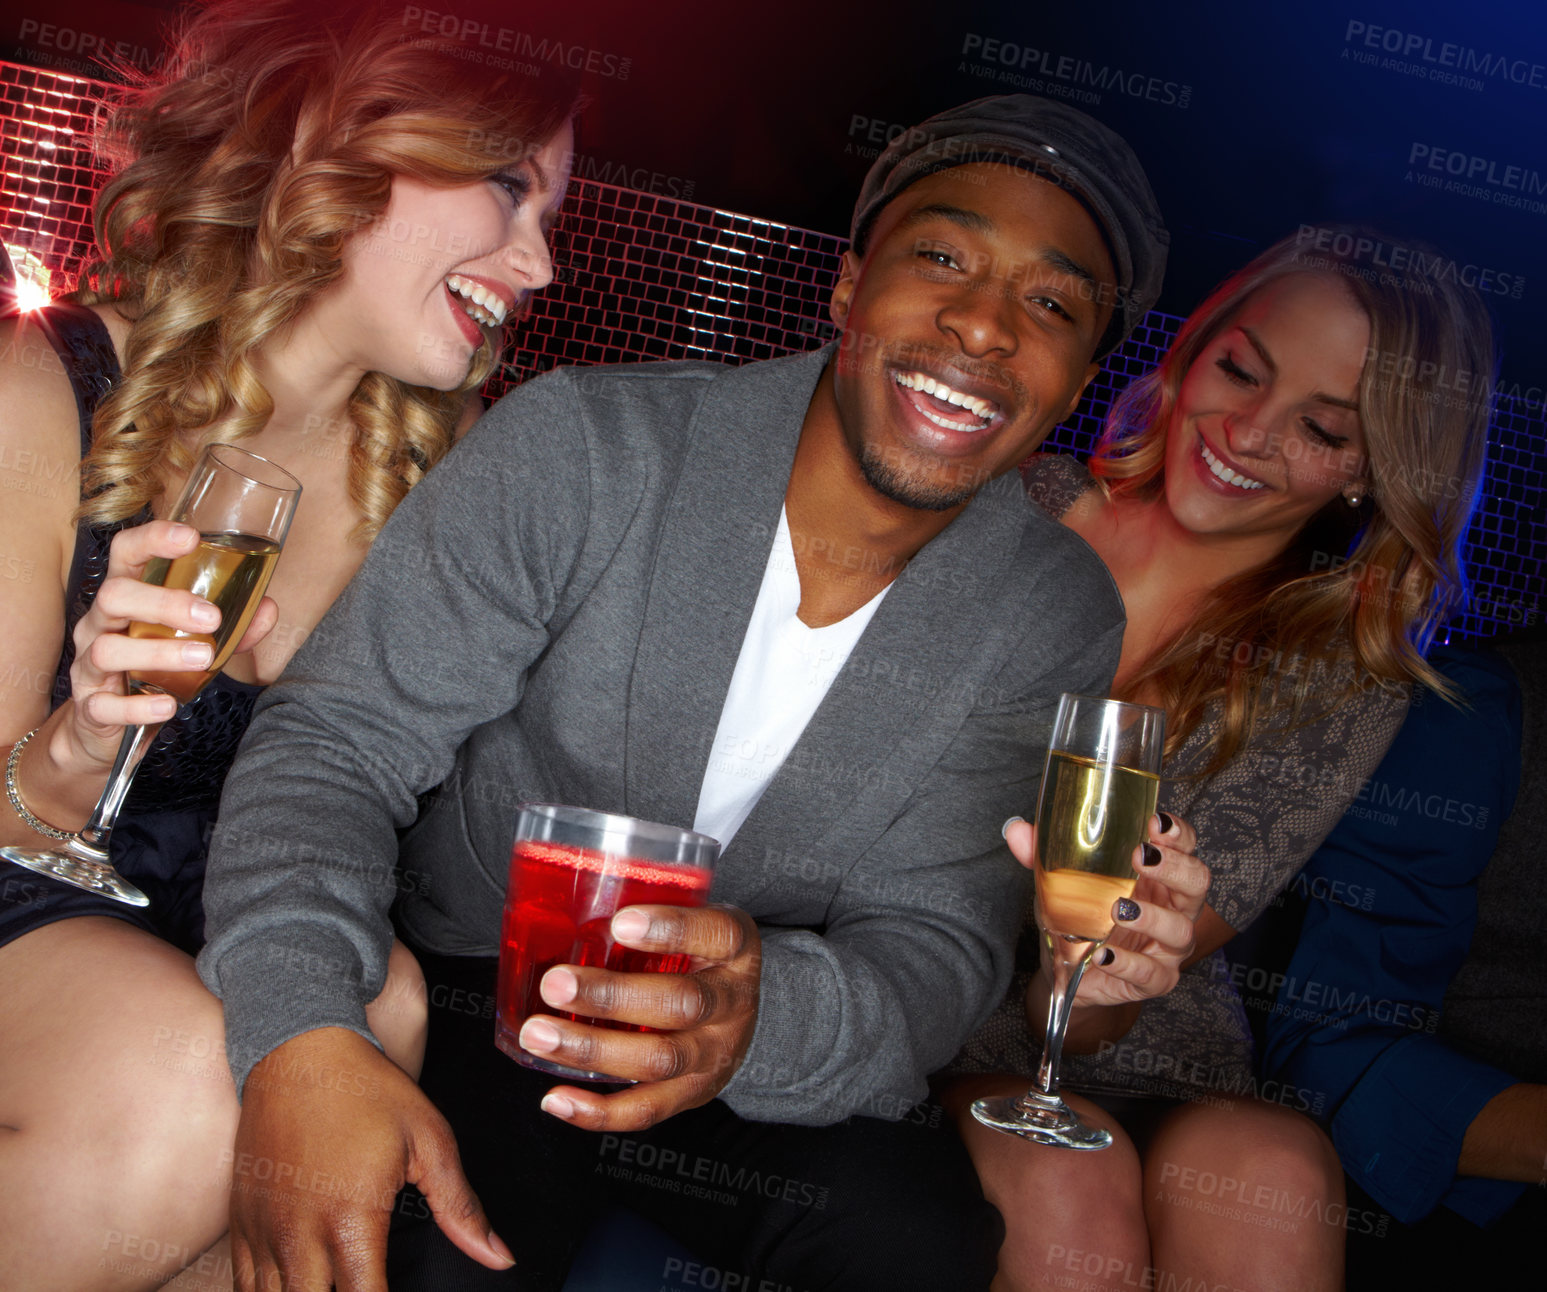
(555, 614)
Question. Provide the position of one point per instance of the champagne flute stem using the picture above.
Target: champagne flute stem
(1066, 981)
(92, 842)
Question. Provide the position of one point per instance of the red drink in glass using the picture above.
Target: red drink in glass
(558, 910)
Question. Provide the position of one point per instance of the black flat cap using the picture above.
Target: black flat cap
(1057, 143)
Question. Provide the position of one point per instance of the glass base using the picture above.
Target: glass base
(94, 876)
(507, 1042)
(1043, 1119)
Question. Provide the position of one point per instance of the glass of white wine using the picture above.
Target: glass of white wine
(1099, 789)
(241, 505)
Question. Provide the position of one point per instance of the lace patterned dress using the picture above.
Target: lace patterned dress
(1258, 820)
(159, 842)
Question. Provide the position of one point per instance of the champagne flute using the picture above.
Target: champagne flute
(241, 505)
(1099, 789)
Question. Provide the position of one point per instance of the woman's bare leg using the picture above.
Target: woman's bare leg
(1073, 1220)
(1245, 1194)
(117, 1110)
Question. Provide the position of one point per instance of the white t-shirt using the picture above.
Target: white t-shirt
(782, 673)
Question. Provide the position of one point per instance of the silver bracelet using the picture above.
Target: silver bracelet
(12, 793)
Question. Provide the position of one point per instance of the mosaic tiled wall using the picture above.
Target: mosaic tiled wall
(640, 276)
(47, 173)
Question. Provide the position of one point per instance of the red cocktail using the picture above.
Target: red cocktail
(562, 895)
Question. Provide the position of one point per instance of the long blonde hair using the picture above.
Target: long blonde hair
(267, 141)
(1359, 591)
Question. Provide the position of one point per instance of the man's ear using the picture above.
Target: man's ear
(1090, 376)
(843, 290)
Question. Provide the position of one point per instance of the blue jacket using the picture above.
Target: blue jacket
(1393, 902)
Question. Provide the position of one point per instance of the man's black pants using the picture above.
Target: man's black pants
(866, 1204)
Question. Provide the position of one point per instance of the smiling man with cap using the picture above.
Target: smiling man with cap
(998, 250)
(1045, 139)
(802, 606)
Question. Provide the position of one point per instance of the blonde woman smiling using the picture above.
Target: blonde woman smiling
(314, 236)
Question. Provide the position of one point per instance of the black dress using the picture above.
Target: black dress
(160, 840)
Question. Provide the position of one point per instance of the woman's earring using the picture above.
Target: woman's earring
(1352, 496)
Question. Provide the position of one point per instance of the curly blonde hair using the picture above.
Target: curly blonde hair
(271, 137)
(1359, 592)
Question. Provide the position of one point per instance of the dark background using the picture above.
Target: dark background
(1251, 121)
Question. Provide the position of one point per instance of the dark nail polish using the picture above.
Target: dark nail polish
(1106, 957)
(1152, 855)
(1166, 823)
(1127, 909)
